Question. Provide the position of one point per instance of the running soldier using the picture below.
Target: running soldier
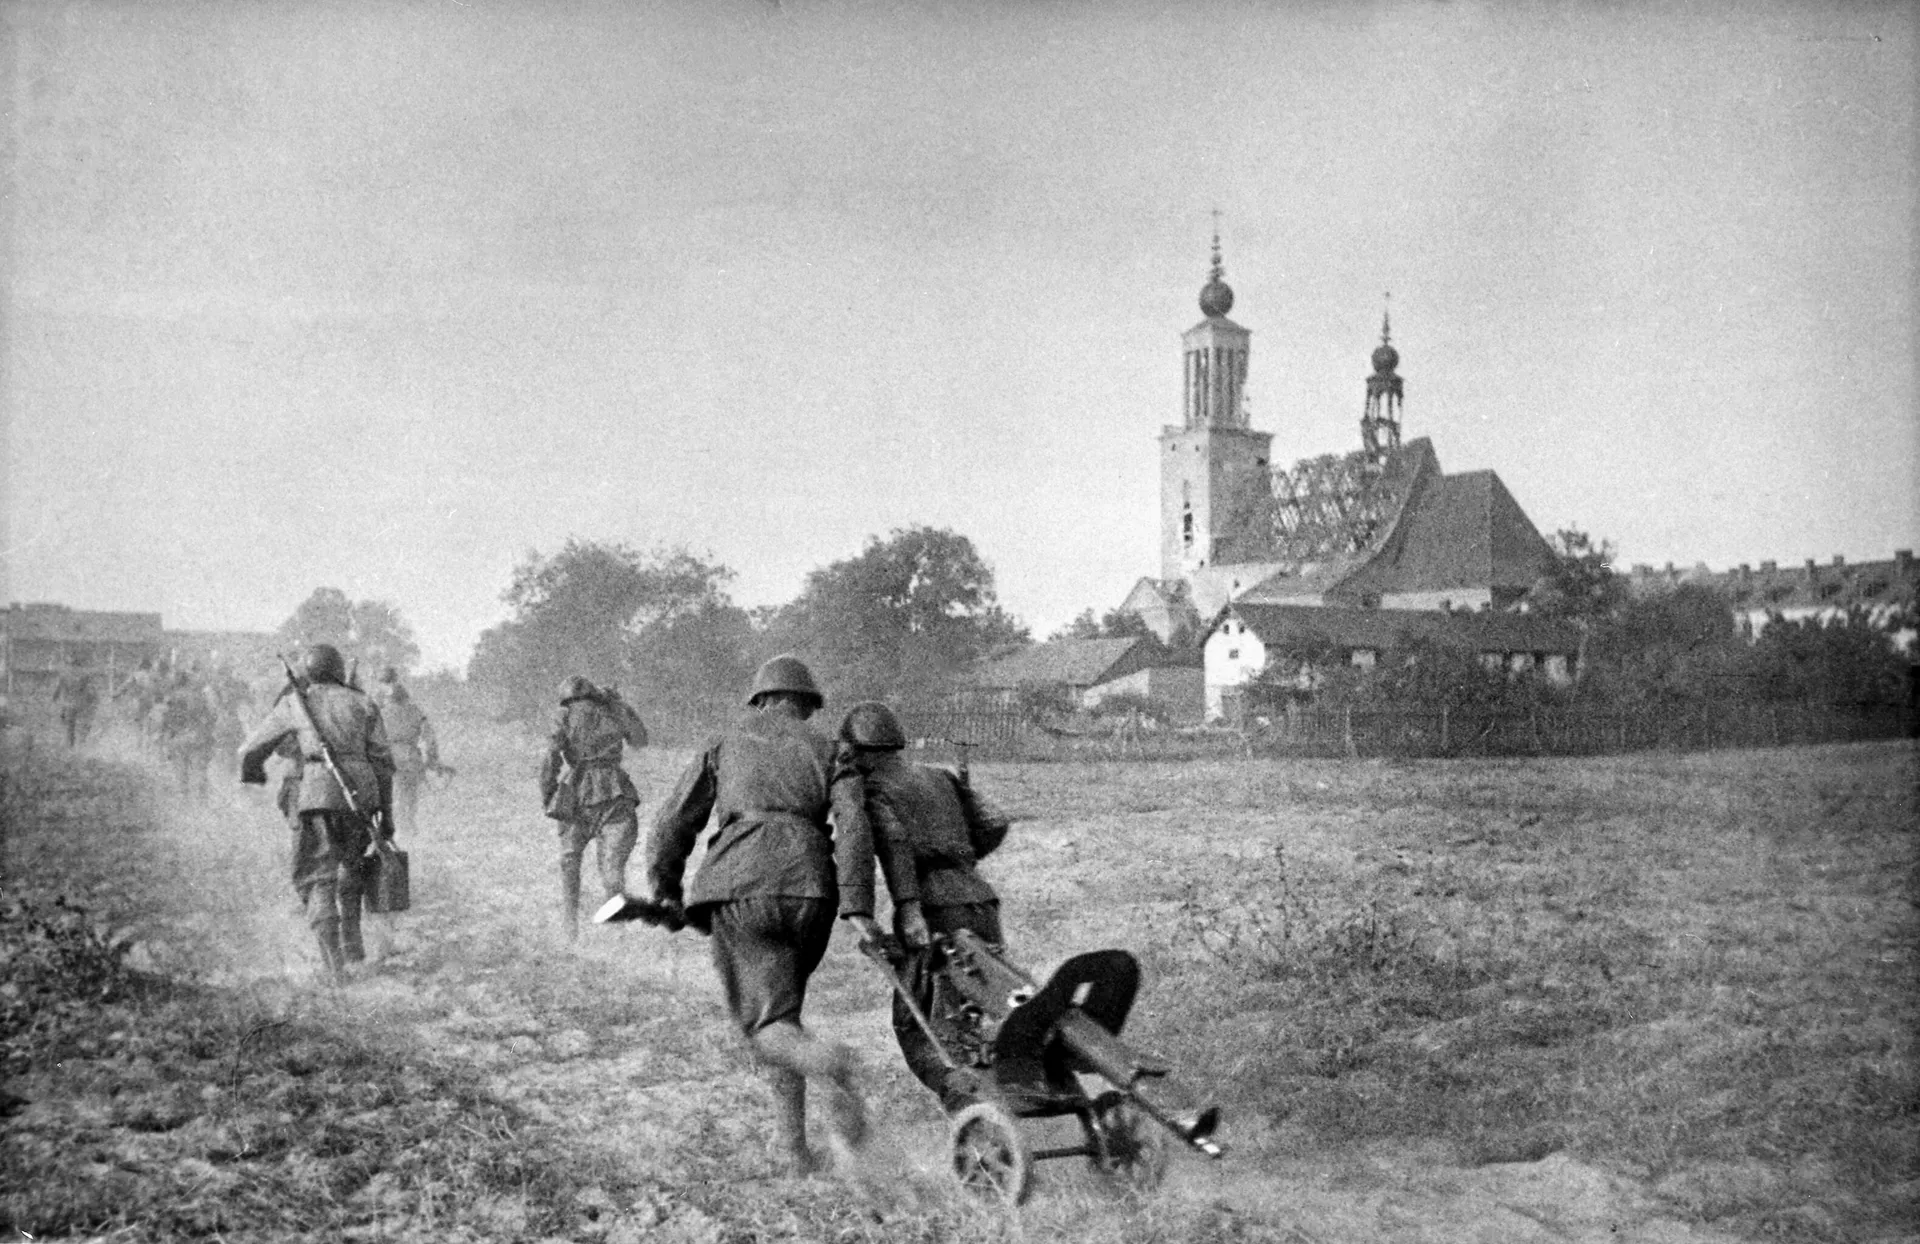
(188, 721)
(596, 801)
(329, 837)
(416, 751)
(937, 819)
(78, 700)
(768, 888)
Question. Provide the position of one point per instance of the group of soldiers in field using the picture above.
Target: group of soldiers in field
(796, 821)
(189, 718)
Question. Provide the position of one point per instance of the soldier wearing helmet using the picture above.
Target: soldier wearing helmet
(329, 838)
(415, 749)
(773, 877)
(944, 828)
(590, 735)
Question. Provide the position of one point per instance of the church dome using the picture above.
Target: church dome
(1385, 358)
(1216, 297)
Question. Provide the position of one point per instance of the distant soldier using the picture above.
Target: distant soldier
(597, 801)
(143, 691)
(329, 838)
(769, 887)
(937, 819)
(415, 749)
(78, 700)
(187, 726)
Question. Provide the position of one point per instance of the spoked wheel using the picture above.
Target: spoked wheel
(1133, 1149)
(988, 1154)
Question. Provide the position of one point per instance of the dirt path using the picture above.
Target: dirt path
(620, 1041)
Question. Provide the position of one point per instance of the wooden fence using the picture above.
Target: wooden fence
(1012, 735)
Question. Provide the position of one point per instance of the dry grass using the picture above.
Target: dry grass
(1689, 978)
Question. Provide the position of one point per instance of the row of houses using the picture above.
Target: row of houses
(40, 642)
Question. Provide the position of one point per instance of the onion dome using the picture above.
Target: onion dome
(1216, 296)
(1385, 357)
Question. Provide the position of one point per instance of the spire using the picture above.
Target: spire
(1216, 296)
(1380, 424)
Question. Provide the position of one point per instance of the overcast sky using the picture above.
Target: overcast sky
(383, 296)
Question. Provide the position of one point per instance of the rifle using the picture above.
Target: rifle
(299, 697)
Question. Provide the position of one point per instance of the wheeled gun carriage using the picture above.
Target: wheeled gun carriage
(1017, 1049)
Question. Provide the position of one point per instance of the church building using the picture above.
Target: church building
(1378, 527)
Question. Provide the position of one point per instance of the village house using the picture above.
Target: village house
(1247, 636)
(1088, 672)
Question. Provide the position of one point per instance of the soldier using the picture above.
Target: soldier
(78, 700)
(187, 722)
(590, 733)
(767, 890)
(416, 751)
(946, 828)
(329, 838)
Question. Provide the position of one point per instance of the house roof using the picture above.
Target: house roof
(1461, 531)
(1383, 629)
(1075, 662)
(1807, 585)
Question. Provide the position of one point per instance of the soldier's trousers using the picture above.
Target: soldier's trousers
(406, 799)
(614, 829)
(327, 847)
(938, 1002)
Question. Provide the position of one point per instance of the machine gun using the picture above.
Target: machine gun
(1017, 1048)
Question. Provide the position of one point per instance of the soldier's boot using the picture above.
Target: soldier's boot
(570, 895)
(790, 1122)
(332, 964)
(830, 1065)
(352, 948)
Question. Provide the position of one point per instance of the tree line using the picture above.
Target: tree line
(1677, 650)
(904, 618)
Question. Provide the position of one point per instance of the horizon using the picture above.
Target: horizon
(385, 299)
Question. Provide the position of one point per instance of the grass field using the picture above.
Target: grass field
(1653, 997)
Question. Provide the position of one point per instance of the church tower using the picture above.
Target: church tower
(1208, 460)
(1380, 423)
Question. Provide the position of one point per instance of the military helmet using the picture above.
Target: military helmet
(872, 724)
(786, 673)
(576, 688)
(325, 664)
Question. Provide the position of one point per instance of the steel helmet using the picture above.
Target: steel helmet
(576, 688)
(325, 664)
(786, 673)
(872, 724)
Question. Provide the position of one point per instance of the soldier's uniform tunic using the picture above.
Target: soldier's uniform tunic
(945, 827)
(415, 750)
(774, 873)
(328, 838)
(188, 721)
(588, 738)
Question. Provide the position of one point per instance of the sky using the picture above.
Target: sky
(386, 296)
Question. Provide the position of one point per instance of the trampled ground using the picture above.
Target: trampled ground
(1641, 998)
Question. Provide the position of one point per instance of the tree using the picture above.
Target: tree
(903, 619)
(371, 632)
(1114, 624)
(615, 616)
(1582, 588)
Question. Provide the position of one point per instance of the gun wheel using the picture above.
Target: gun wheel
(989, 1157)
(1134, 1149)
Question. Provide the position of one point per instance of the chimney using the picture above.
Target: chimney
(1839, 560)
(1746, 573)
(1669, 570)
(1813, 569)
(1769, 567)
